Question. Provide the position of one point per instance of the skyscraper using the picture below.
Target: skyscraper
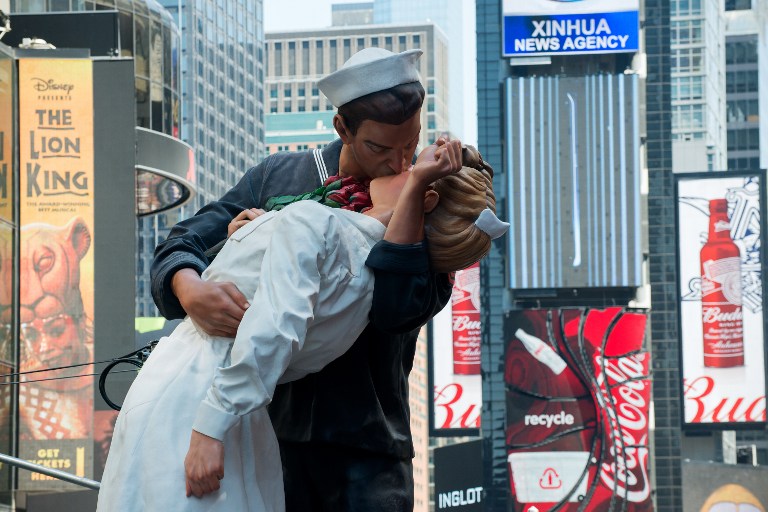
(450, 17)
(220, 113)
(222, 106)
(698, 85)
(746, 51)
(300, 116)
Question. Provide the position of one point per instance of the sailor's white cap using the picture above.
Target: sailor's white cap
(370, 70)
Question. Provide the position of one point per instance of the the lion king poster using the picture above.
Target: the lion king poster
(56, 281)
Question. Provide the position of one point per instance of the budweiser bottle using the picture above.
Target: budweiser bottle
(721, 315)
(465, 301)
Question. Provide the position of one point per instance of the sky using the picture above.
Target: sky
(281, 15)
(298, 14)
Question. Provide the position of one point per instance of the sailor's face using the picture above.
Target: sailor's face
(382, 149)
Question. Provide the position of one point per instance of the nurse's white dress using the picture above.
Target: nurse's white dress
(308, 309)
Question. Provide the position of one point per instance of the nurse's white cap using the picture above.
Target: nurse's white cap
(370, 70)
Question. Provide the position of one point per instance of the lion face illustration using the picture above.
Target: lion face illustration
(54, 330)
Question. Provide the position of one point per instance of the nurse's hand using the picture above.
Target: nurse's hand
(204, 465)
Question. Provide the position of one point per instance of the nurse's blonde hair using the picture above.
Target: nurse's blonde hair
(455, 242)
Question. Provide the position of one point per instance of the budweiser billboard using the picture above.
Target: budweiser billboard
(719, 226)
(578, 401)
(455, 359)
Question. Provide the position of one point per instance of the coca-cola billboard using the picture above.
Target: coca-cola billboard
(455, 359)
(578, 403)
(722, 323)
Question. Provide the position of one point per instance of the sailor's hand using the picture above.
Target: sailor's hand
(243, 218)
(217, 308)
(204, 465)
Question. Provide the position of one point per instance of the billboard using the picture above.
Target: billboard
(455, 359)
(577, 415)
(563, 27)
(722, 342)
(712, 487)
(8, 234)
(573, 163)
(459, 477)
(56, 155)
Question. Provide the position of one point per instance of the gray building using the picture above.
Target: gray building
(698, 85)
(222, 113)
(295, 61)
(569, 140)
(449, 16)
(746, 56)
(149, 35)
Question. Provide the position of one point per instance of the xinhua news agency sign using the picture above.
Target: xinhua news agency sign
(562, 27)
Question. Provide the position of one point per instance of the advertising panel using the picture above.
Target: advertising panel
(56, 266)
(7, 235)
(714, 487)
(455, 358)
(577, 210)
(6, 138)
(459, 477)
(578, 403)
(719, 226)
(562, 27)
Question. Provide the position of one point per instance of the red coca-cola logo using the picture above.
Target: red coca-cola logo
(625, 377)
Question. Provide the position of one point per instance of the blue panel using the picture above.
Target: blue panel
(571, 34)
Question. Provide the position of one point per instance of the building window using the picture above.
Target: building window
(741, 52)
(744, 140)
(686, 7)
(686, 32)
(292, 58)
(687, 60)
(738, 5)
(687, 88)
(687, 117)
(319, 57)
(347, 49)
(305, 57)
(743, 111)
(278, 59)
(332, 56)
(741, 81)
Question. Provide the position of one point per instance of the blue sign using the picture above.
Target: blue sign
(611, 32)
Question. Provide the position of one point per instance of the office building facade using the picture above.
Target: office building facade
(149, 34)
(450, 17)
(698, 85)
(222, 114)
(295, 61)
